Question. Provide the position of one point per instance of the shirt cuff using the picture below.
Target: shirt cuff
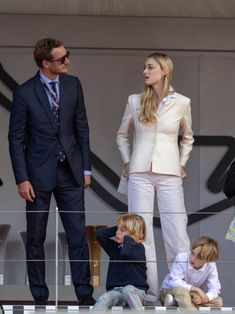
(211, 295)
(87, 173)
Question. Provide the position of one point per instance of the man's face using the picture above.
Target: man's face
(59, 63)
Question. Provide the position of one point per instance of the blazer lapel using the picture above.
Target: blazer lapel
(43, 100)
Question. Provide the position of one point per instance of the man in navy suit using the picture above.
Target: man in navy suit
(50, 154)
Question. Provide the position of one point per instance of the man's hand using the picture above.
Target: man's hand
(26, 191)
(87, 181)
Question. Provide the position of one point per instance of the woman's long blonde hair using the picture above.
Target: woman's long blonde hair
(149, 100)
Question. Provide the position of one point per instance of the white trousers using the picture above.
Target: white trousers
(142, 188)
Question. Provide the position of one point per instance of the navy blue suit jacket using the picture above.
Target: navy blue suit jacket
(34, 136)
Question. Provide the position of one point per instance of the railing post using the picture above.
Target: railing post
(56, 256)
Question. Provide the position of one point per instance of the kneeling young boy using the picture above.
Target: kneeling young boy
(193, 280)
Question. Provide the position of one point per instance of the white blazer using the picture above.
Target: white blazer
(155, 146)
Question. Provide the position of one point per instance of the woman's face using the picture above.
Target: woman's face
(153, 73)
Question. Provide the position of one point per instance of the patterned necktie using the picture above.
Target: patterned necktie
(54, 96)
(54, 104)
(55, 111)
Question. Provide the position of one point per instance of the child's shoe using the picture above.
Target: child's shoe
(169, 300)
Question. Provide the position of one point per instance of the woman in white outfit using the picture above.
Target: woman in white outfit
(156, 165)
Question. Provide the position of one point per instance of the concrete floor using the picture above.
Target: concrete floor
(16, 299)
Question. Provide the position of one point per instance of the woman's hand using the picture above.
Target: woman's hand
(126, 170)
(183, 173)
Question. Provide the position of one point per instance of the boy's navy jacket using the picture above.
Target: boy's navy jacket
(130, 268)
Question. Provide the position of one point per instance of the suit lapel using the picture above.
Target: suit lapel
(43, 100)
(63, 97)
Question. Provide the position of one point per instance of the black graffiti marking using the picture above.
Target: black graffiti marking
(215, 181)
(7, 79)
(10, 83)
(5, 102)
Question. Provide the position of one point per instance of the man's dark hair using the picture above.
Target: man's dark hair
(43, 48)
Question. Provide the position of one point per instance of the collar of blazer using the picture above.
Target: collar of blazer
(167, 103)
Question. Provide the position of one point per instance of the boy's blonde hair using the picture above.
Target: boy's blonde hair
(134, 224)
(209, 248)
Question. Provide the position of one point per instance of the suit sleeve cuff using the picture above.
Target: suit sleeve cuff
(87, 173)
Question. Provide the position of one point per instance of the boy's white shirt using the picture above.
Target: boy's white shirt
(185, 276)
